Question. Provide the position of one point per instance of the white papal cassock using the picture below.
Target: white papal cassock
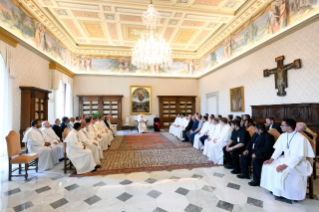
(89, 144)
(214, 151)
(81, 158)
(179, 131)
(51, 137)
(35, 143)
(141, 124)
(103, 140)
(291, 183)
(112, 127)
(205, 129)
(172, 127)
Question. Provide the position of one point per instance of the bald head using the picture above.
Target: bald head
(301, 127)
(72, 119)
(46, 124)
(83, 123)
(57, 121)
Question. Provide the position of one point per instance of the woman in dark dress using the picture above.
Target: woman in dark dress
(157, 126)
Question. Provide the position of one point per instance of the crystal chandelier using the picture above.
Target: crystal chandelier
(151, 50)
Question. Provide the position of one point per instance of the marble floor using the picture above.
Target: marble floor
(190, 190)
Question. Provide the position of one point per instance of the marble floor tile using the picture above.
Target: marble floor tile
(23, 206)
(225, 205)
(43, 189)
(193, 208)
(59, 203)
(124, 197)
(182, 191)
(255, 202)
(92, 200)
(154, 194)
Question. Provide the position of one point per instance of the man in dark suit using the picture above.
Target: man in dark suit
(57, 129)
(236, 145)
(259, 149)
(188, 128)
(271, 124)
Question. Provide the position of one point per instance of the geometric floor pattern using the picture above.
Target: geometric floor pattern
(207, 189)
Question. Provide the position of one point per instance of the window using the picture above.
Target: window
(5, 107)
(63, 100)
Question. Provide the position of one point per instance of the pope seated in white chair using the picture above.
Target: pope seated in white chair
(142, 127)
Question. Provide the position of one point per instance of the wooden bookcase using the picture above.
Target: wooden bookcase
(104, 104)
(169, 106)
(34, 105)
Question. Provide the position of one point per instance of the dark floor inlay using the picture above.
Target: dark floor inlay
(174, 178)
(150, 180)
(43, 189)
(57, 177)
(154, 194)
(124, 197)
(197, 176)
(99, 184)
(255, 202)
(216, 174)
(126, 182)
(234, 186)
(193, 208)
(72, 187)
(59, 203)
(225, 205)
(92, 200)
(13, 191)
(23, 206)
(182, 191)
(159, 210)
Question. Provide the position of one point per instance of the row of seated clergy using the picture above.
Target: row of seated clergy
(94, 135)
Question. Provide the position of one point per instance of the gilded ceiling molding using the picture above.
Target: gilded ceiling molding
(61, 69)
(8, 37)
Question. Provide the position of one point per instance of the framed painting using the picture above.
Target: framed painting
(237, 99)
(141, 100)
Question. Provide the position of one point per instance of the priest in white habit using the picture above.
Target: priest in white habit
(214, 131)
(92, 136)
(286, 175)
(101, 131)
(179, 131)
(175, 124)
(214, 146)
(80, 156)
(37, 144)
(106, 130)
(142, 127)
(90, 144)
(204, 131)
(93, 130)
(55, 141)
(177, 128)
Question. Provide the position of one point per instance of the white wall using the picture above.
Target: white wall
(112, 85)
(248, 72)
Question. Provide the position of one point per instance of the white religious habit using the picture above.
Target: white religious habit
(179, 131)
(103, 140)
(89, 144)
(113, 128)
(109, 133)
(214, 151)
(101, 130)
(35, 143)
(291, 183)
(142, 128)
(172, 127)
(81, 158)
(205, 129)
(93, 138)
(52, 137)
(180, 124)
(212, 134)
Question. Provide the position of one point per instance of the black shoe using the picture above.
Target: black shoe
(98, 166)
(94, 170)
(61, 159)
(271, 192)
(253, 183)
(235, 171)
(241, 176)
(229, 167)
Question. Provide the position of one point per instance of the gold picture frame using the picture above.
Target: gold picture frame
(237, 99)
(141, 100)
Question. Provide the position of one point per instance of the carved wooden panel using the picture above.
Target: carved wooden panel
(277, 112)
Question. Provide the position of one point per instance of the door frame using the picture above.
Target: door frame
(213, 94)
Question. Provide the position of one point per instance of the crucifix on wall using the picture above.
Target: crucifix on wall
(281, 74)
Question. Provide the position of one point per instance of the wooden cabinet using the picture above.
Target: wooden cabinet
(103, 105)
(34, 105)
(169, 106)
(303, 112)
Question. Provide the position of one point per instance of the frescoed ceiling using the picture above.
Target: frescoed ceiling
(112, 27)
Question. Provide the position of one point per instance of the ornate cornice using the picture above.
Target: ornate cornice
(61, 69)
(8, 37)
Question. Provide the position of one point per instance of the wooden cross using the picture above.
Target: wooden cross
(281, 74)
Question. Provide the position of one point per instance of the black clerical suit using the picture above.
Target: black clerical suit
(262, 146)
(157, 127)
(57, 131)
(238, 136)
(188, 128)
(276, 126)
(63, 126)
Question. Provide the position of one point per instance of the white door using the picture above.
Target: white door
(212, 105)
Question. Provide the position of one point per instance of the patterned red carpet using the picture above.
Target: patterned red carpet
(148, 152)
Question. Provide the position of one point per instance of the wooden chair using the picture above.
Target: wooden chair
(14, 149)
(67, 163)
(314, 150)
(274, 132)
(251, 130)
